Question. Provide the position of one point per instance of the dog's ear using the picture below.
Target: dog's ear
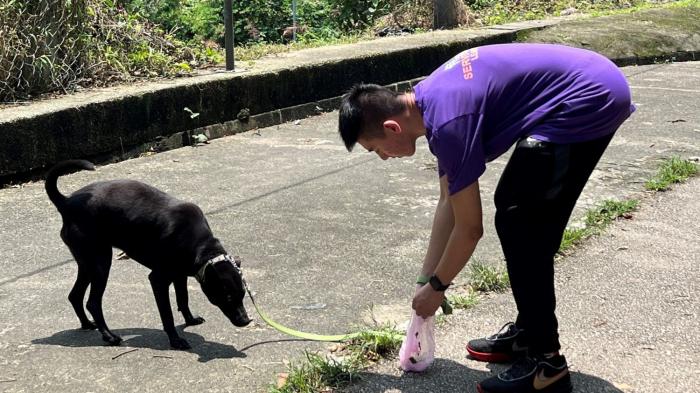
(211, 285)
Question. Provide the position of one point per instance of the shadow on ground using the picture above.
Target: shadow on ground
(448, 376)
(143, 338)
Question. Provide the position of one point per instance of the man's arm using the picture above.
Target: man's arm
(443, 221)
(461, 242)
(467, 230)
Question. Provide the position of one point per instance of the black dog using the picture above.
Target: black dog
(170, 237)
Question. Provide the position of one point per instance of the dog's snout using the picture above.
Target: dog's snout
(240, 317)
(242, 322)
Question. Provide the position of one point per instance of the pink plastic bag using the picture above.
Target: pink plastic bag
(418, 349)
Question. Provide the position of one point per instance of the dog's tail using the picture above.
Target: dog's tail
(60, 169)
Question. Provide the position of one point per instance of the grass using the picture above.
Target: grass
(256, 51)
(485, 278)
(506, 11)
(600, 217)
(672, 171)
(464, 302)
(323, 373)
(596, 220)
(572, 237)
(370, 346)
(316, 374)
(440, 320)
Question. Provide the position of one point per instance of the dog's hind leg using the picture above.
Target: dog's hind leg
(99, 264)
(76, 296)
(94, 261)
(99, 273)
(180, 284)
(71, 236)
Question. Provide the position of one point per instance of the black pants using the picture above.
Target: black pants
(534, 199)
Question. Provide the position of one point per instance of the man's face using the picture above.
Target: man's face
(394, 144)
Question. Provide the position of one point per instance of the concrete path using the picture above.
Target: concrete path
(327, 235)
(627, 306)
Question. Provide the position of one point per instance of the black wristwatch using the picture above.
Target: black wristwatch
(437, 284)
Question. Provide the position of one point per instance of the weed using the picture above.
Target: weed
(572, 237)
(440, 320)
(596, 220)
(321, 373)
(600, 217)
(672, 170)
(317, 373)
(486, 278)
(464, 302)
(375, 344)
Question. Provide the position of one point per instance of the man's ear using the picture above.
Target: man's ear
(392, 126)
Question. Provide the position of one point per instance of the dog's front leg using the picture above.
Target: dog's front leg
(180, 283)
(160, 284)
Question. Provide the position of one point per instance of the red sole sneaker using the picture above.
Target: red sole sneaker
(489, 357)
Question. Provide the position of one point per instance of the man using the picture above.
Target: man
(560, 106)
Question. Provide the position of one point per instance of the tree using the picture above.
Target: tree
(446, 13)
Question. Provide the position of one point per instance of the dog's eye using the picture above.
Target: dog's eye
(229, 299)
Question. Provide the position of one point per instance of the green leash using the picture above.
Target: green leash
(313, 336)
(446, 308)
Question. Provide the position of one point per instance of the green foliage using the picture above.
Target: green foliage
(491, 12)
(572, 237)
(464, 302)
(600, 217)
(371, 346)
(672, 170)
(322, 373)
(596, 220)
(485, 278)
(355, 15)
(317, 373)
(260, 20)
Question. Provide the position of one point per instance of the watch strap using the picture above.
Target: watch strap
(437, 284)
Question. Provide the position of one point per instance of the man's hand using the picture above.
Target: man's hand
(426, 301)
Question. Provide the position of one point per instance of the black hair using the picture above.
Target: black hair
(363, 109)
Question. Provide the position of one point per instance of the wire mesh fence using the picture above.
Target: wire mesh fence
(41, 46)
(58, 45)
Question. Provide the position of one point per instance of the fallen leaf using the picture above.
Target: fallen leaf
(623, 386)
(192, 114)
(200, 138)
(281, 380)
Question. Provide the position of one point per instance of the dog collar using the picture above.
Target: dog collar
(235, 261)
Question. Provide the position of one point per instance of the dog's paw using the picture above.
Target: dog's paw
(112, 339)
(179, 343)
(89, 325)
(194, 321)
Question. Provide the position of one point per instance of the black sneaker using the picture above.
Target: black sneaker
(531, 375)
(501, 347)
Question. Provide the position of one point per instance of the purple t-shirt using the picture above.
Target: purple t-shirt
(480, 102)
